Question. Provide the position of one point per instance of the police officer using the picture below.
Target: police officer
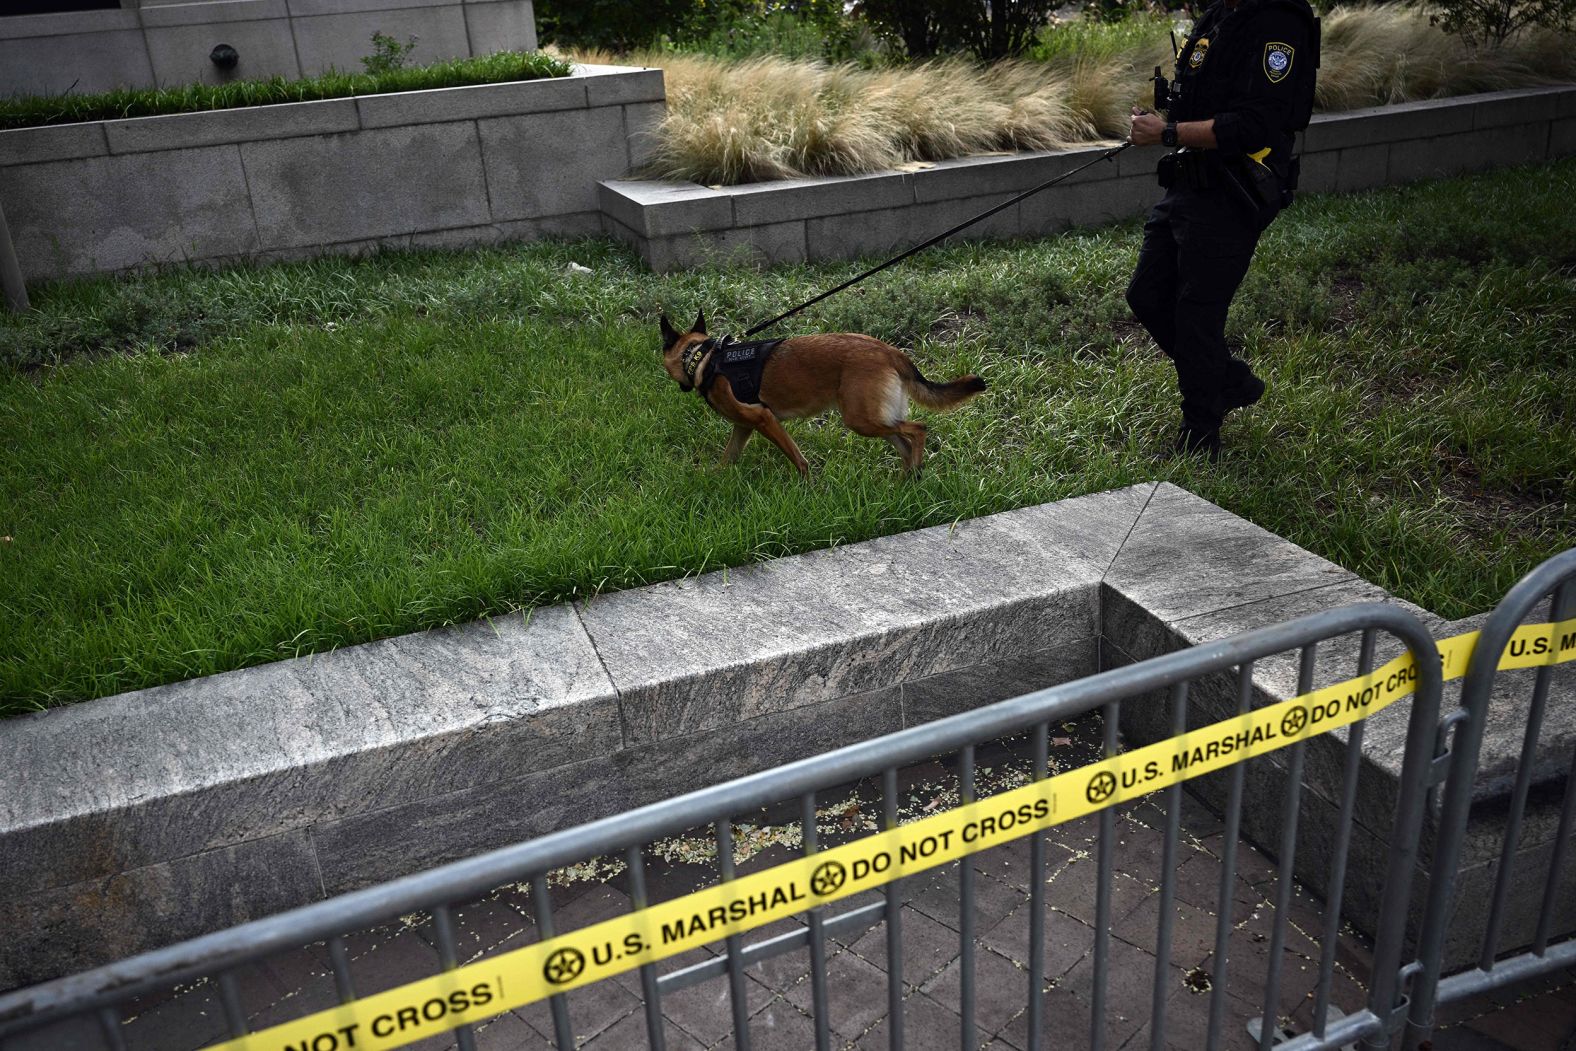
(1243, 87)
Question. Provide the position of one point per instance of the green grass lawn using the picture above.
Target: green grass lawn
(208, 470)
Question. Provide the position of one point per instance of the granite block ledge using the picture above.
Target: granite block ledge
(457, 166)
(344, 769)
(675, 224)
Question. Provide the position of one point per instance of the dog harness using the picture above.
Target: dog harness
(740, 363)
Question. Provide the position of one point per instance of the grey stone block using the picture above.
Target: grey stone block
(59, 142)
(1320, 172)
(179, 53)
(745, 246)
(1275, 679)
(964, 690)
(505, 26)
(798, 631)
(1007, 174)
(526, 181)
(268, 749)
(18, 27)
(376, 183)
(656, 209)
(83, 62)
(1562, 138)
(1385, 124)
(1088, 204)
(1187, 557)
(471, 102)
(1526, 106)
(755, 204)
(574, 225)
(641, 123)
(861, 234)
(363, 850)
(302, 8)
(135, 214)
(943, 215)
(882, 232)
(215, 127)
(1498, 147)
(1472, 892)
(616, 230)
(619, 85)
(342, 40)
(1140, 160)
(1362, 168)
(216, 13)
(88, 924)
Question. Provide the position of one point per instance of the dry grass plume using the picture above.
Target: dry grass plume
(769, 117)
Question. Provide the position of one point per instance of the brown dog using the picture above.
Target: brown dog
(756, 385)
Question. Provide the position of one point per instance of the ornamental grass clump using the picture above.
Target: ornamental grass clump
(776, 118)
(773, 117)
(1376, 56)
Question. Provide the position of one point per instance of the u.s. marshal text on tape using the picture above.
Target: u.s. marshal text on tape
(478, 991)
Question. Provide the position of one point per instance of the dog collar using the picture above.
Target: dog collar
(693, 357)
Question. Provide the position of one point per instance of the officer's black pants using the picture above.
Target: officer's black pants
(1197, 247)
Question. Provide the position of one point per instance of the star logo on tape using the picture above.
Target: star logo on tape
(1292, 722)
(827, 877)
(1102, 786)
(564, 965)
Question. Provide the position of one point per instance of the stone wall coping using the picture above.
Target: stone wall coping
(109, 20)
(163, 13)
(1038, 561)
(588, 85)
(675, 223)
(223, 11)
(296, 714)
(353, 766)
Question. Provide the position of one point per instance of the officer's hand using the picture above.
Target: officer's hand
(1146, 128)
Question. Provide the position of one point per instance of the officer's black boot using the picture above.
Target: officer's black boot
(1198, 436)
(1243, 388)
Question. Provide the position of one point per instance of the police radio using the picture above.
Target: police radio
(1162, 92)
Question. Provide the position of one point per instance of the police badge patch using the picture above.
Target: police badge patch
(1200, 49)
(1277, 60)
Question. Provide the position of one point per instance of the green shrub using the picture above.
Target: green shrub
(988, 30)
(1492, 22)
(32, 111)
(388, 54)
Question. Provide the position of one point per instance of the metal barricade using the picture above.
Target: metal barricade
(101, 992)
(1554, 580)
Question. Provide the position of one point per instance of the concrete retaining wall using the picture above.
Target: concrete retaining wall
(167, 42)
(681, 224)
(138, 820)
(463, 165)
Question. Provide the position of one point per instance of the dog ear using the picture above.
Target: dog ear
(669, 334)
(700, 323)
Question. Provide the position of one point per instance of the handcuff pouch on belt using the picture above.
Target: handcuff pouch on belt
(1188, 170)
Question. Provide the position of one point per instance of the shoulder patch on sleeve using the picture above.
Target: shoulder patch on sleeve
(1277, 60)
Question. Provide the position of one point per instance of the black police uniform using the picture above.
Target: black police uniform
(1251, 68)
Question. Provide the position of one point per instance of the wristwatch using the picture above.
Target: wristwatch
(1168, 134)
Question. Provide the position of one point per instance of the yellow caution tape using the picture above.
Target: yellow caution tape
(478, 991)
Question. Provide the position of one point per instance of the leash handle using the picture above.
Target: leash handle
(965, 224)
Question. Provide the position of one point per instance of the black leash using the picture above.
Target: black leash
(1107, 155)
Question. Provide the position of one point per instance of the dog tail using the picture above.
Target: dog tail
(940, 395)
